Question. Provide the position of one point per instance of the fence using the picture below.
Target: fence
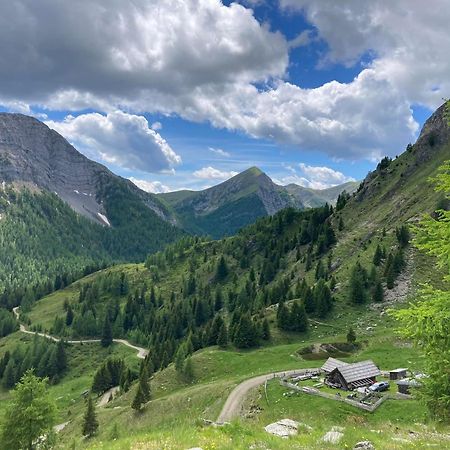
(311, 391)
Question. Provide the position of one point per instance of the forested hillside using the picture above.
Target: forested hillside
(45, 245)
(319, 263)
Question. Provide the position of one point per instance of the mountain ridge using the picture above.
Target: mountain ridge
(251, 193)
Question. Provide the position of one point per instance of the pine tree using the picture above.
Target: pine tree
(245, 336)
(378, 293)
(69, 316)
(378, 255)
(310, 304)
(144, 383)
(282, 316)
(265, 334)
(322, 298)
(139, 398)
(61, 357)
(222, 270)
(222, 340)
(90, 423)
(358, 293)
(107, 338)
(298, 318)
(351, 336)
(188, 370)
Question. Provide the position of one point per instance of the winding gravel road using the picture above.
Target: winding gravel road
(141, 352)
(233, 404)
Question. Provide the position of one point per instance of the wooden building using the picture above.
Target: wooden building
(397, 374)
(331, 364)
(351, 376)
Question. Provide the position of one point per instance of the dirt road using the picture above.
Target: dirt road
(233, 405)
(141, 352)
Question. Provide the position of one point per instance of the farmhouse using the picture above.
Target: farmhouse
(347, 376)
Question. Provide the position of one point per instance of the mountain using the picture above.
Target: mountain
(32, 153)
(284, 290)
(225, 208)
(312, 198)
(62, 214)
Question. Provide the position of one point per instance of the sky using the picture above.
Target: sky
(184, 94)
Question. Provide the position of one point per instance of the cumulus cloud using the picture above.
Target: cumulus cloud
(206, 61)
(119, 138)
(155, 187)
(408, 40)
(314, 177)
(126, 50)
(219, 151)
(210, 173)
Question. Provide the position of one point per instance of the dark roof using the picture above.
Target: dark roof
(358, 371)
(332, 363)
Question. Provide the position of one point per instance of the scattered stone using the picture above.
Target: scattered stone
(364, 445)
(333, 437)
(283, 428)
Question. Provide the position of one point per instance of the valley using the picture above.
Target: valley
(205, 315)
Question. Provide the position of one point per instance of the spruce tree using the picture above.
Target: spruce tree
(351, 336)
(61, 357)
(69, 316)
(265, 330)
(145, 383)
(282, 316)
(90, 423)
(139, 398)
(378, 255)
(298, 318)
(377, 293)
(222, 270)
(222, 340)
(358, 293)
(245, 336)
(310, 304)
(107, 337)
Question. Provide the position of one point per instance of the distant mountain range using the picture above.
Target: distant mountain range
(223, 209)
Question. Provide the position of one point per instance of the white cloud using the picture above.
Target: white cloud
(206, 61)
(156, 126)
(409, 40)
(119, 138)
(314, 177)
(155, 187)
(219, 151)
(210, 173)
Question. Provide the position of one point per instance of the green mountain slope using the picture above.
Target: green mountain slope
(62, 215)
(223, 209)
(182, 297)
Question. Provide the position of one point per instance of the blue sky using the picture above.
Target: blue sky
(187, 96)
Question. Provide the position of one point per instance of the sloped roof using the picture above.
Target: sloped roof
(359, 371)
(332, 363)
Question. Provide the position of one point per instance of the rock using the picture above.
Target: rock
(333, 437)
(283, 428)
(35, 156)
(364, 445)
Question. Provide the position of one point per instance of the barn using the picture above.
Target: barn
(351, 376)
(331, 364)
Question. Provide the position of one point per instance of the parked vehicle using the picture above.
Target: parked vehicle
(379, 387)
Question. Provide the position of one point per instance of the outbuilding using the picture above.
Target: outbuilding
(397, 374)
(406, 384)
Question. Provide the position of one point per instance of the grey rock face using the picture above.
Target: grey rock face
(30, 152)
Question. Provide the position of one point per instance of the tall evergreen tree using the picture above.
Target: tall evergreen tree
(90, 422)
(378, 255)
(298, 318)
(358, 279)
(222, 270)
(351, 336)
(107, 337)
(222, 340)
